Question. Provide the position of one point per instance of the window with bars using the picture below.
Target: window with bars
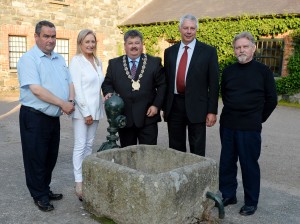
(270, 53)
(17, 47)
(62, 47)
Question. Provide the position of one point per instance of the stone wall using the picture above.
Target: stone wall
(18, 17)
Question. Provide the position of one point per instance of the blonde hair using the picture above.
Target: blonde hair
(82, 34)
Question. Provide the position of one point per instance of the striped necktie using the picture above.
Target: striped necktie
(133, 70)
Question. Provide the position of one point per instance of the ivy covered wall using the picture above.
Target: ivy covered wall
(219, 32)
(291, 84)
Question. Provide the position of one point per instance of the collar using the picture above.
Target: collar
(190, 45)
(137, 60)
(42, 54)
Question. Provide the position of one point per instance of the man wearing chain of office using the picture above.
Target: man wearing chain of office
(139, 80)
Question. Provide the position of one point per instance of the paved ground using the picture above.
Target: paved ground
(280, 168)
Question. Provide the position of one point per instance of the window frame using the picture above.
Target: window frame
(14, 52)
(270, 52)
(58, 50)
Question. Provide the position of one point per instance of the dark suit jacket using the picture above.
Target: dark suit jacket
(151, 92)
(202, 82)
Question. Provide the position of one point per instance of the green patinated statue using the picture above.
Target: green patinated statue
(114, 107)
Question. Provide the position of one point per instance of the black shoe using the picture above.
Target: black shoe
(55, 197)
(248, 210)
(229, 201)
(44, 206)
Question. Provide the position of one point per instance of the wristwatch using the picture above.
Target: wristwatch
(72, 101)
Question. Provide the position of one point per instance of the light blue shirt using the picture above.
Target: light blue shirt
(137, 60)
(34, 67)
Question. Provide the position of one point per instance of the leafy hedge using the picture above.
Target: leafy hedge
(219, 32)
(291, 84)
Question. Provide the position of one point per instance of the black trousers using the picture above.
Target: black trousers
(244, 146)
(40, 136)
(178, 124)
(146, 135)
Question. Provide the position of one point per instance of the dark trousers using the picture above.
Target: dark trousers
(40, 135)
(146, 135)
(178, 123)
(245, 146)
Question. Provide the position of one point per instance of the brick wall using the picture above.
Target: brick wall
(18, 17)
(71, 16)
(288, 51)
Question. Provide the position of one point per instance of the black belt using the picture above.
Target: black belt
(179, 95)
(38, 112)
(32, 110)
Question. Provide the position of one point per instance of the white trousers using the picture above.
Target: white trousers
(83, 141)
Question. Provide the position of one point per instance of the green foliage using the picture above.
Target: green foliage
(103, 220)
(291, 84)
(219, 32)
(120, 49)
(288, 104)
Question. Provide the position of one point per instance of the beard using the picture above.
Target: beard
(242, 58)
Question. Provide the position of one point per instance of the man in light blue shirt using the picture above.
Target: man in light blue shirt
(46, 92)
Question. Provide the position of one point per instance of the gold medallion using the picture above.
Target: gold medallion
(136, 85)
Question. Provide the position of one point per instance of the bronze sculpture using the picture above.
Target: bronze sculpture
(114, 107)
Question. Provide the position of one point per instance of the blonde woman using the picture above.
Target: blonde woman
(86, 72)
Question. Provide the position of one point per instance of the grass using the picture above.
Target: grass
(103, 220)
(288, 104)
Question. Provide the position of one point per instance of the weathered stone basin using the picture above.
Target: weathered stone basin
(148, 184)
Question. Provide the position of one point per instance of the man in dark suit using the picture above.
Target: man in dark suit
(140, 81)
(192, 89)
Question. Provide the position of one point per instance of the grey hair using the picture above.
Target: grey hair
(189, 17)
(244, 34)
(40, 24)
(133, 34)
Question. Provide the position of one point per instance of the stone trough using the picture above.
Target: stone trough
(149, 184)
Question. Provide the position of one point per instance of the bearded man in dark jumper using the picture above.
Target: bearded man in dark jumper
(249, 97)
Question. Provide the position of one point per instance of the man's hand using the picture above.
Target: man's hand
(152, 111)
(107, 96)
(45, 95)
(211, 120)
(67, 107)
